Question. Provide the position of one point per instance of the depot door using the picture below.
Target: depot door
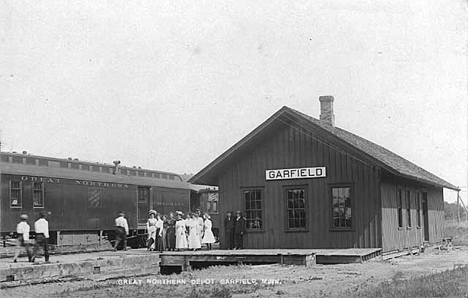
(143, 198)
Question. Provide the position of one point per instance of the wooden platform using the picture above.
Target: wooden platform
(304, 257)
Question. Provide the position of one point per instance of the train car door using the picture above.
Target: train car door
(143, 200)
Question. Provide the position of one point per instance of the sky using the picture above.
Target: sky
(170, 85)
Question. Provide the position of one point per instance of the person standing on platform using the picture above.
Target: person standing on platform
(151, 228)
(229, 230)
(208, 237)
(239, 229)
(159, 231)
(170, 232)
(164, 231)
(194, 235)
(23, 237)
(199, 218)
(180, 228)
(121, 231)
(41, 228)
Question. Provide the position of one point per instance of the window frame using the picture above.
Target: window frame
(34, 190)
(399, 207)
(286, 188)
(418, 209)
(349, 185)
(408, 208)
(20, 205)
(209, 204)
(262, 202)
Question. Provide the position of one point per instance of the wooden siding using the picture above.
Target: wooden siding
(292, 147)
(399, 238)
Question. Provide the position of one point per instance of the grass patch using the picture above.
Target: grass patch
(450, 283)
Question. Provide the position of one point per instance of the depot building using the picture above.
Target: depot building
(302, 182)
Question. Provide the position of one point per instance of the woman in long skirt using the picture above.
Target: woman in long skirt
(151, 228)
(164, 231)
(208, 237)
(194, 235)
(159, 231)
(170, 232)
(181, 238)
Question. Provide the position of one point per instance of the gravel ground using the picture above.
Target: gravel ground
(255, 281)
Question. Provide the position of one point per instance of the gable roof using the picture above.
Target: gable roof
(385, 158)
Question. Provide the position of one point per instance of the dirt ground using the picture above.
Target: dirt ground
(256, 281)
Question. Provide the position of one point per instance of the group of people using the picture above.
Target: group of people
(234, 228)
(175, 231)
(41, 228)
(193, 230)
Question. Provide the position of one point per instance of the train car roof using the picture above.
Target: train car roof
(33, 170)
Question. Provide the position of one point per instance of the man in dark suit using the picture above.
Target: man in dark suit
(239, 229)
(229, 229)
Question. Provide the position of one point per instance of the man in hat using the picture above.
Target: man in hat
(23, 237)
(229, 230)
(121, 231)
(239, 229)
(41, 228)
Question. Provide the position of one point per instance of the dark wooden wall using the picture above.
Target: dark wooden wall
(399, 238)
(68, 206)
(293, 147)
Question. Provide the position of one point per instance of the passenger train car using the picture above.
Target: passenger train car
(82, 199)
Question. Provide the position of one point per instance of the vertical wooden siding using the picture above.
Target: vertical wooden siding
(293, 148)
(395, 238)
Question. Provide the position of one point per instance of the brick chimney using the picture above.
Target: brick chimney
(326, 110)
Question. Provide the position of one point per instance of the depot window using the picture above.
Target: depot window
(16, 194)
(253, 209)
(38, 195)
(212, 203)
(400, 207)
(296, 208)
(341, 198)
(408, 208)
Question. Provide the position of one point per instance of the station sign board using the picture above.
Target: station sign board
(296, 173)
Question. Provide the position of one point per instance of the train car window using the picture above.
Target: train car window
(85, 167)
(75, 166)
(141, 174)
(64, 164)
(16, 194)
(96, 169)
(157, 175)
(171, 177)
(17, 159)
(38, 195)
(133, 173)
(5, 158)
(43, 162)
(164, 176)
(30, 161)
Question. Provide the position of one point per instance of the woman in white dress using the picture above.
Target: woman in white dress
(194, 233)
(151, 228)
(181, 238)
(208, 237)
